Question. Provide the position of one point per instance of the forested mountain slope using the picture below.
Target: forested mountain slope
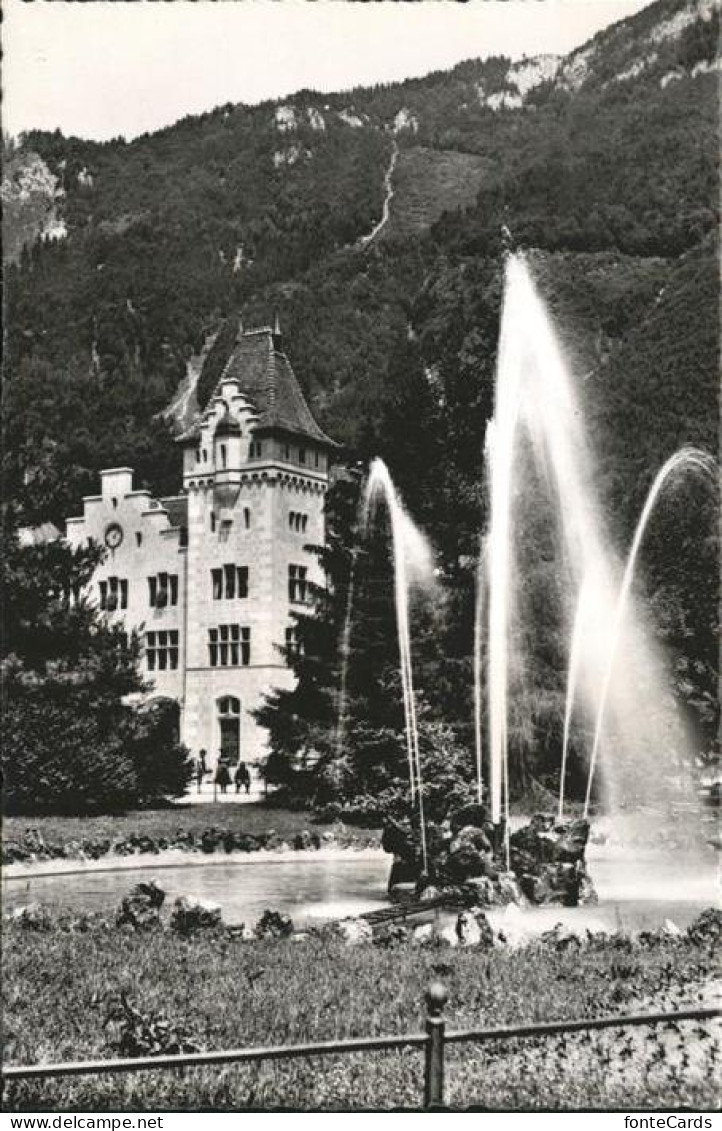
(125, 259)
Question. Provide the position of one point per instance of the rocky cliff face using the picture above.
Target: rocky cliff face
(32, 201)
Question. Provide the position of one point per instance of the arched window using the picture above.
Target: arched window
(229, 705)
(229, 729)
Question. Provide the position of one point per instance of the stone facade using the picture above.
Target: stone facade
(211, 576)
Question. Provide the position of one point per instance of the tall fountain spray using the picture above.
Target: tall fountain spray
(345, 655)
(538, 422)
(479, 669)
(686, 459)
(412, 560)
(580, 617)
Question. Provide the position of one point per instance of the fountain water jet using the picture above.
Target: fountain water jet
(535, 400)
(580, 617)
(478, 668)
(411, 556)
(345, 653)
(685, 458)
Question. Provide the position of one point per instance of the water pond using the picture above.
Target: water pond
(634, 894)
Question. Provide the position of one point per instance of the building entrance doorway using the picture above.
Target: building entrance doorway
(229, 724)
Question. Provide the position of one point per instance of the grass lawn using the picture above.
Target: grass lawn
(252, 819)
(223, 992)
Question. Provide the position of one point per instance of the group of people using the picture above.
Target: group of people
(222, 777)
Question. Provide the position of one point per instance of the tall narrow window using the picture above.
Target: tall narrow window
(114, 597)
(213, 523)
(152, 591)
(103, 587)
(224, 455)
(217, 581)
(297, 584)
(150, 650)
(229, 573)
(247, 517)
(294, 644)
(162, 595)
(235, 636)
(173, 582)
(223, 645)
(173, 649)
(213, 646)
(242, 580)
(123, 593)
(301, 455)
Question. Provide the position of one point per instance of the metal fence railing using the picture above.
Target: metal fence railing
(433, 1042)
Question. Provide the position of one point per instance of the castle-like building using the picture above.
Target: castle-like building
(210, 577)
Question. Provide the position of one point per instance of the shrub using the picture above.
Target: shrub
(63, 755)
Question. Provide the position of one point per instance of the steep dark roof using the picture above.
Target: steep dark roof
(177, 507)
(265, 376)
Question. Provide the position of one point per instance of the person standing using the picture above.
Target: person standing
(223, 778)
(242, 777)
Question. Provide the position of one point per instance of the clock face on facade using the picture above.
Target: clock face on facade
(113, 535)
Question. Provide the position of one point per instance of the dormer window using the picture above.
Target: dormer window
(301, 455)
(255, 449)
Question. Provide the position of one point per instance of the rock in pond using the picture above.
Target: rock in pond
(353, 931)
(140, 909)
(192, 915)
(274, 925)
(473, 929)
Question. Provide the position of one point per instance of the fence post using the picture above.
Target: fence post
(436, 998)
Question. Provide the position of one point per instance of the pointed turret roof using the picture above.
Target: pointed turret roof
(265, 377)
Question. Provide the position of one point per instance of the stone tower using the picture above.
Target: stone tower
(210, 577)
(255, 470)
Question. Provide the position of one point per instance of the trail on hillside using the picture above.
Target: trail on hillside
(184, 406)
(386, 210)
